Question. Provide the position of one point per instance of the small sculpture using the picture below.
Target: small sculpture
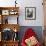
(15, 3)
(6, 21)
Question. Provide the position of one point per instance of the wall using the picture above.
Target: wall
(37, 24)
(27, 3)
(39, 13)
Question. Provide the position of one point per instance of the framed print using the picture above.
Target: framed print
(30, 13)
(5, 12)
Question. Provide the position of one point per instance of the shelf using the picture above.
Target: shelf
(10, 41)
(8, 26)
(4, 8)
(10, 19)
(9, 10)
(5, 12)
(10, 44)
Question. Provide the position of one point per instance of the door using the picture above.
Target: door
(44, 7)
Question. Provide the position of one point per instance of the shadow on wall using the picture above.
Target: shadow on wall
(37, 29)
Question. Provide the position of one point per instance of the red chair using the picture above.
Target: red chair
(29, 33)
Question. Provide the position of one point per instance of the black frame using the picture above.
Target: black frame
(26, 18)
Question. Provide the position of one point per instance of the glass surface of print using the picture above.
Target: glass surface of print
(30, 13)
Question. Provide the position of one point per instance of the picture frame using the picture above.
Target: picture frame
(5, 12)
(30, 13)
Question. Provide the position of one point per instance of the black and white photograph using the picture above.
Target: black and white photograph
(30, 13)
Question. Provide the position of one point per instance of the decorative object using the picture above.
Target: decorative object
(15, 3)
(13, 12)
(5, 12)
(30, 13)
(6, 21)
(15, 37)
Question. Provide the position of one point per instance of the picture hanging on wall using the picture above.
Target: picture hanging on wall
(30, 13)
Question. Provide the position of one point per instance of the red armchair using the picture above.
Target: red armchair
(30, 39)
